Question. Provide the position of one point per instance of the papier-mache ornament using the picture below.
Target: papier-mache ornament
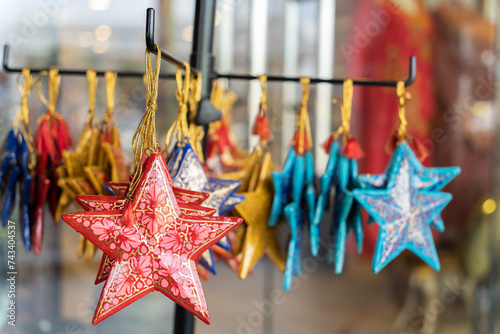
(153, 243)
(110, 164)
(195, 137)
(187, 170)
(295, 194)
(52, 138)
(100, 203)
(406, 201)
(341, 173)
(72, 178)
(16, 165)
(223, 153)
(255, 237)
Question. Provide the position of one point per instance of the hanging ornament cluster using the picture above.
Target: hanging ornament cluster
(255, 238)
(341, 173)
(223, 153)
(152, 239)
(95, 160)
(295, 195)
(185, 167)
(160, 225)
(404, 201)
(17, 166)
(72, 179)
(109, 165)
(51, 140)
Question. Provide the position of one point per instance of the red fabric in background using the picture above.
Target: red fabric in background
(381, 41)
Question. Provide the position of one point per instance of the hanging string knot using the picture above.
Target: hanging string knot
(152, 105)
(303, 136)
(263, 98)
(180, 125)
(403, 96)
(53, 83)
(144, 140)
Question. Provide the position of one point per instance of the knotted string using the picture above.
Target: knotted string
(196, 132)
(303, 137)
(22, 118)
(345, 111)
(263, 98)
(110, 97)
(223, 100)
(144, 140)
(402, 97)
(261, 125)
(92, 79)
(53, 83)
(180, 125)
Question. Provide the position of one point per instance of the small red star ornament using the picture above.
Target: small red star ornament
(158, 251)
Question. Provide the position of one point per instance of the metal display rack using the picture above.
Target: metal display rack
(202, 59)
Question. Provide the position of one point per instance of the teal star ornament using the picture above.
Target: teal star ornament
(322, 204)
(430, 179)
(295, 218)
(346, 212)
(403, 211)
(294, 190)
(282, 182)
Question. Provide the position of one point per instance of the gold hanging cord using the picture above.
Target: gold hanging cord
(144, 140)
(303, 128)
(345, 111)
(22, 119)
(402, 97)
(180, 125)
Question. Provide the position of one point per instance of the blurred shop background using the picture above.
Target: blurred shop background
(453, 111)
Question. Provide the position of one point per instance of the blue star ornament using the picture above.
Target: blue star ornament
(403, 212)
(354, 220)
(187, 172)
(429, 179)
(231, 203)
(25, 180)
(295, 218)
(344, 215)
(326, 182)
(282, 182)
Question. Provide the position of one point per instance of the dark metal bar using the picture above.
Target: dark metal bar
(184, 321)
(124, 74)
(203, 34)
(131, 74)
(360, 82)
(150, 41)
(202, 57)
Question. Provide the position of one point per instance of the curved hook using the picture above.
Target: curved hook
(150, 30)
(412, 74)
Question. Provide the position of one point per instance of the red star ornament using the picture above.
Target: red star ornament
(111, 203)
(158, 251)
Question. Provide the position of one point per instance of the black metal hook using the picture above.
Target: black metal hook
(150, 42)
(412, 74)
(150, 30)
(125, 74)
